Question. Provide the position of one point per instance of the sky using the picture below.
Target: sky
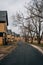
(12, 6)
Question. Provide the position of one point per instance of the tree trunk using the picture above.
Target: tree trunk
(25, 39)
(31, 39)
(39, 40)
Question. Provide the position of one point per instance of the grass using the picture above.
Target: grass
(36, 43)
(7, 49)
(41, 45)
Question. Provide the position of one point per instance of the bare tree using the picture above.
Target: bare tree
(25, 26)
(19, 17)
(36, 15)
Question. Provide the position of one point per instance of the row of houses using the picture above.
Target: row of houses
(12, 36)
(5, 34)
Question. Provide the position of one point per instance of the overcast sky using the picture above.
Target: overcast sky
(12, 6)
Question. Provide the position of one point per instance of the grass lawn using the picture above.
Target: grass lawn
(41, 45)
(36, 43)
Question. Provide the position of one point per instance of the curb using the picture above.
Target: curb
(38, 48)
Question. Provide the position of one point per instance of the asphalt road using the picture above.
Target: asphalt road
(24, 54)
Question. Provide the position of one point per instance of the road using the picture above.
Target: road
(24, 54)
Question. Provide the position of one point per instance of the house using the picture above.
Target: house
(17, 37)
(9, 35)
(13, 37)
(3, 27)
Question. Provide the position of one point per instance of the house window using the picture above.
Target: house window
(1, 34)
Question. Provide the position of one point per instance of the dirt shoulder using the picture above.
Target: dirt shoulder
(5, 50)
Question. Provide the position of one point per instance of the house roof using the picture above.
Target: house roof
(13, 33)
(9, 32)
(3, 16)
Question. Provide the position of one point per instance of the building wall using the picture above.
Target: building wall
(9, 36)
(3, 28)
(1, 41)
(17, 38)
(12, 36)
